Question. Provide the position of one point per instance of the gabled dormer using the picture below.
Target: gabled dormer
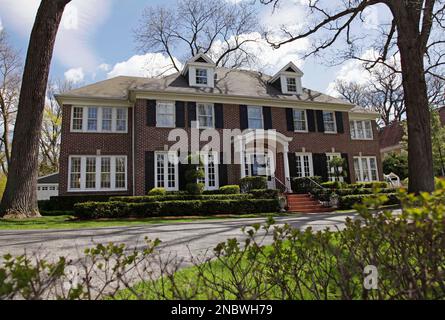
(200, 71)
(288, 79)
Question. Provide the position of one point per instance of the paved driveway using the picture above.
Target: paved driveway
(178, 238)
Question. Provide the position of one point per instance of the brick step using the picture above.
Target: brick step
(308, 208)
(309, 201)
(323, 209)
(297, 196)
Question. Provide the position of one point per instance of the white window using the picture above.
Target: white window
(99, 119)
(291, 83)
(165, 115)
(300, 122)
(304, 165)
(255, 117)
(258, 164)
(329, 122)
(201, 76)
(166, 170)
(97, 173)
(210, 167)
(365, 169)
(206, 115)
(361, 130)
(332, 176)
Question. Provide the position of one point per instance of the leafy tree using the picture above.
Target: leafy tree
(396, 163)
(438, 140)
(193, 173)
(336, 165)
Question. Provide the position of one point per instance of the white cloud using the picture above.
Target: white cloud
(75, 75)
(104, 67)
(147, 65)
(371, 18)
(1, 25)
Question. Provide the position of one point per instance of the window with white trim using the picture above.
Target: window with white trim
(165, 114)
(300, 121)
(206, 115)
(329, 122)
(201, 76)
(291, 83)
(361, 130)
(99, 119)
(365, 169)
(255, 117)
(331, 170)
(97, 173)
(304, 164)
(210, 166)
(166, 170)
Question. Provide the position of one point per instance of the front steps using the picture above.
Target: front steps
(305, 204)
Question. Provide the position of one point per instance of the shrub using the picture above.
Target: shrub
(230, 189)
(251, 183)
(179, 197)
(356, 191)
(117, 209)
(373, 184)
(304, 185)
(333, 184)
(157, 192)
(66, 203)
(195, 188)
(265, 193)
(348, 202)
(193, 173)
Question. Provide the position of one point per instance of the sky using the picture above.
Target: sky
(96, 41)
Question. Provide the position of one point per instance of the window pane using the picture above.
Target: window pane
(90, 173)
(352, 129)
(360, 132)
(121, 119)
(75, 173)
(368, 130)
(205, 115)
(255, 116)
(107, 115)
(160, 170)
(165, 115)
(329, 121)
(77, 118)
(92, 119)
(201, 76)
(300, 120)
(365, 169)
(357, 169)
(120, 173)
(291, 85)
(105, 173)
(373, 167)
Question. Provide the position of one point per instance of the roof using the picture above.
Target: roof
(391, 135)
(228, 82)
(49, 179)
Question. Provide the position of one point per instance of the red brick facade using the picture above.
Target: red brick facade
(156, 139)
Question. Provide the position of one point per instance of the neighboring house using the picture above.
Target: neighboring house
(391, 139)
(48, 186)
(115, 132)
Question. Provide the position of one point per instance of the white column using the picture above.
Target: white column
(241, 152)
(286, 168)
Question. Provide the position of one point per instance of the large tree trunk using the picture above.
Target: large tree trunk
(20, 197)
(420, 156)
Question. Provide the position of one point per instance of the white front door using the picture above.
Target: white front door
(261, 165)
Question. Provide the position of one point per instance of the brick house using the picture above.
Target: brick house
(115, 132)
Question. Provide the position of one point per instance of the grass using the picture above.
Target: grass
(69, 222)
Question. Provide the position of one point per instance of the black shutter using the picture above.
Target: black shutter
(180, 114)
(290, 119)
(320, 121)
(222, 171)
(267, 118)
(310, 120)
(182, 168)
(292, 164)
(191, 107)
(346, 168)
(149, 171)
(320, 165)
(339, 120)
(219, 116)
(151, 113)
(244, 122)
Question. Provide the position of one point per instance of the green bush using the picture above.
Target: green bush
(304, 185)
(348, 202)
(356, 191)
(193, 173)
(334, 184)
(322, 194)
(374, 184)
(157, 192)
(181, 197)
(117, 209)
(252, 183)
(265, 193)
(230, 189)
(195, 188)
(66, 203)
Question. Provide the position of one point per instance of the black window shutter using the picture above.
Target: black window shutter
(149, 171)
(290, 119)
(292, 164)
(180, 114)
(320, 121)
(151, 113)
(191, 107)
(310, 120)
(320, 165)
(244, 122)
(219, 116)
(346, 168)
(222, 171)
(267, 118)
(339, 120)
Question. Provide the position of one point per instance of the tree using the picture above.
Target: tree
(414, 33)
(336, 165)
(20, 197)
(217, 28)
(438, 140)
(193, 174)
(10, 66)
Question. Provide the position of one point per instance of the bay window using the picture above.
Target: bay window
(165, 115)
(365, 169)
(99, 119)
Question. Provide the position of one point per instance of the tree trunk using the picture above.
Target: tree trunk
(420, 156)
(20, 197)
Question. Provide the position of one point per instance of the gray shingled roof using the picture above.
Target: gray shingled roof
(229, 82)
(53, 178)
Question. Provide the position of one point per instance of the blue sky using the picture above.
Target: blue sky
(95, 41)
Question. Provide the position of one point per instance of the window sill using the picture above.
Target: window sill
(101, 132)
(96, 191)
(301, 131)
(331, 132)
(362, 139)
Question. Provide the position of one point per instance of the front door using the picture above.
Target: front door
(261, 165)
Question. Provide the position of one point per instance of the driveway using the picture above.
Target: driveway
(179, 238)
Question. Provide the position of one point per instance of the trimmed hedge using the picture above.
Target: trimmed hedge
(118, 209)
(374, 184)
(304, 185)
(334, 184)
(252, 183)
(347, 202)
(265, 193)
(230, 189)
(66, 203)
(185, 197)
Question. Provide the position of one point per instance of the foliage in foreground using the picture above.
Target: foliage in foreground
(407, 250)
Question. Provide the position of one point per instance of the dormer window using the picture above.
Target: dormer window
(201, 76)
(291, 84)
(288, 80)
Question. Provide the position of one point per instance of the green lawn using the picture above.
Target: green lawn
(69, 222)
